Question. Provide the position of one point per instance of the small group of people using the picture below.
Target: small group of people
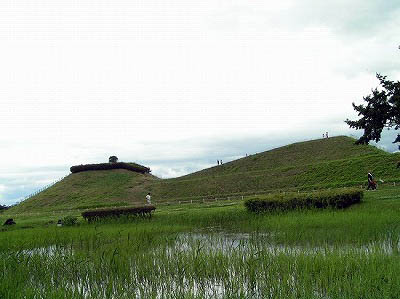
(325, 135)
(219, 162)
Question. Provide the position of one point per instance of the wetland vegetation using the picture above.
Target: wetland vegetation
(217, 250)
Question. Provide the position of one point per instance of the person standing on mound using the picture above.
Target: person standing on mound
(148, 198)
(371, 182)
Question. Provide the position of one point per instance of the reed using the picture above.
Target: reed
(215, 252)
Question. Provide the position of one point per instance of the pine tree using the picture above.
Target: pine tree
(381, 110)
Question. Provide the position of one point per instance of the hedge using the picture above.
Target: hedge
(108, 166)
(338, 199)
(103, 213)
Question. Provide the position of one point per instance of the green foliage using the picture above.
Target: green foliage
(338, 199)
(69, 220)
(382, 110)
(108, 166)
(104, 213)
(113, 159)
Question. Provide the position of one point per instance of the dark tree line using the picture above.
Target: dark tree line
(380, 110)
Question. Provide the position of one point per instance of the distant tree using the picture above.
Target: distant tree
(113, 159)
(3, 207)
(381, 110)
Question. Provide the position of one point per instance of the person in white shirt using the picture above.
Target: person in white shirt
(148, 198)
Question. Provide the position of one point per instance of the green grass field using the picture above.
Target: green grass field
(215, 250)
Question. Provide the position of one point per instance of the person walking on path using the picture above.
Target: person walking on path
(371, 182)
(148, 198)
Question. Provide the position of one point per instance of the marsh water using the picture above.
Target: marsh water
(200, 265)
(227, 242)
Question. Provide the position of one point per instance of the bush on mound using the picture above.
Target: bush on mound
(104, 213)
(108, 166)
(338, 199)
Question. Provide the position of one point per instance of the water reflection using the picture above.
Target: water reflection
(228, 242)
(194, 265)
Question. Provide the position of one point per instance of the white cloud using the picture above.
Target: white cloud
(172, 81)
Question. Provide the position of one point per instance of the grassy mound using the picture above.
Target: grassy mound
(294, 155)
(92, 189)
(317, 164)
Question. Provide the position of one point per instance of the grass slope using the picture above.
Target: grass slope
(92, 189)
(296, 154)
(321, 163)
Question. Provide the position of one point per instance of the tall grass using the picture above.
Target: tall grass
(152, 267)
(219, 252)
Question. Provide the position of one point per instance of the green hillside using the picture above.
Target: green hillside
(92, 189)
(301, 153)
(312, 164)
(318, 163)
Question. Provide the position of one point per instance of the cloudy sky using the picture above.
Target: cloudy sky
(175, 85)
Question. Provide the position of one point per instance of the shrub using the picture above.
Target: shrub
(69, 220)
(108, 166)
(9, 221)
(338, 199)
(103, 213)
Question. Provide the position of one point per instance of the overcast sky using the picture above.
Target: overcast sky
(176, 85)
